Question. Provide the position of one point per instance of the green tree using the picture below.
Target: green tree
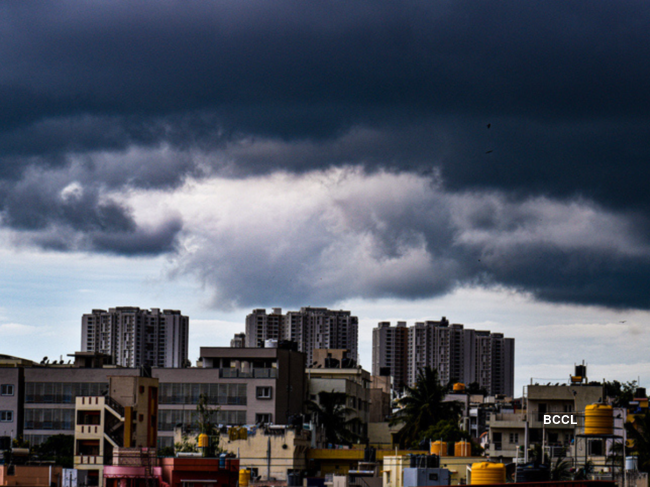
(423, 406)
(639, 433)
(622, 393)
(185, 445)
(562, 468)
(332, 413)
(59, 449)
(206, 425)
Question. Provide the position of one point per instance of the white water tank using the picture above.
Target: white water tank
(630, 463)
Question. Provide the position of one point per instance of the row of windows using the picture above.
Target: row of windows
(169, 393)
(183, 393)
(168, 419)
(49, 419)
(61, 392)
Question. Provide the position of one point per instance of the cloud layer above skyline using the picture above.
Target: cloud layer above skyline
(287, 152)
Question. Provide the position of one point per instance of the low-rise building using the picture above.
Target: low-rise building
(11, 420)
(508, 428)
(247, 386)
(344, 377)
(127, 417)
(271, 453)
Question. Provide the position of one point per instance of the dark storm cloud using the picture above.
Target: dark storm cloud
(53, 213)
(111, 97)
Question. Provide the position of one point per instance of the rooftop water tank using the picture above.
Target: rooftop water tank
(488, 473)
(439, 448)
(599, 420)
(462, 449)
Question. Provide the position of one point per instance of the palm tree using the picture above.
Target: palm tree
(562, 468)
(332, 413)
(423, 406)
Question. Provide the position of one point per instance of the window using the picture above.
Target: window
(264, 392)
(514, 437)
(496, 440)
(6, 416)
(7, 390)
(262, 418)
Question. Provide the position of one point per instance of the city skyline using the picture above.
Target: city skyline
(403, 161)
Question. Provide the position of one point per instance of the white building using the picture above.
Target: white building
(136, 337)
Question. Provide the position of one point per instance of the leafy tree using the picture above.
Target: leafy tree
(622, 393)
(639, 433)
(206, 425)
(423, 407)
(58, 448)
(332, 413)
(185, 445)
(447, 431)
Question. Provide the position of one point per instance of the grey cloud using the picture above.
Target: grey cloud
(54, 211)
(387, 235)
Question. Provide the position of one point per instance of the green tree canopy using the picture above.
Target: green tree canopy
(423, 407)
(639, 433)
(59, 449)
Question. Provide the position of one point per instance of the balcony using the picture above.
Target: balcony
(88, 460)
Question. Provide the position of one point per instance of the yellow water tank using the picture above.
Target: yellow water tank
(439, 448)
(488, 473)
(244, 477)
(599, 420)
(203, 440)
(459, 387)
(462, 449)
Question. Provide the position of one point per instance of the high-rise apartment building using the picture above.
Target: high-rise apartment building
(457, 353)
(310, 328)
(136, 337)
(261, 327)
(390, 347)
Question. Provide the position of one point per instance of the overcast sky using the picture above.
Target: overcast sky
(405, 160)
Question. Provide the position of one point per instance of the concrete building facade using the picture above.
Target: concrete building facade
(507, 430)
(247, 386)
(458, 354)
(135, 337)
(126, 417)
(11, 419)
